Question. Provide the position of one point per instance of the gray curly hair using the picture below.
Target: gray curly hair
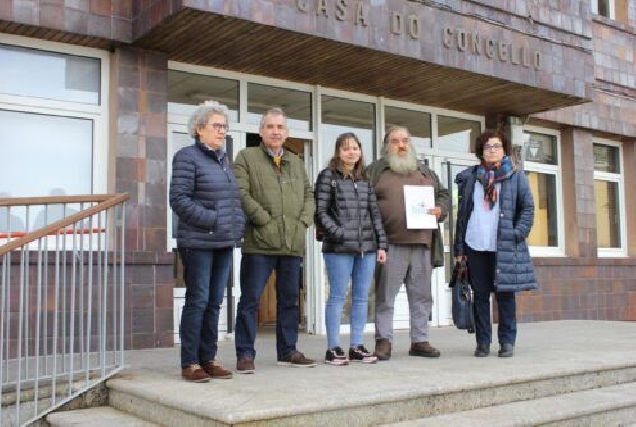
(202, 114)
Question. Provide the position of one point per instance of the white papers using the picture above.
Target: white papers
(418, 200)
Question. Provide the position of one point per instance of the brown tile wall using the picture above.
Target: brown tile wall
(139, 99)
(613, 92)
(614, 54)
(581, 289)
(147, 14)
(108, 19)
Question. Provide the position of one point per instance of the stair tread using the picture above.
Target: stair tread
(535, 411)
(103, 416)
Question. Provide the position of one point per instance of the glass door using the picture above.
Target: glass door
(446, 168)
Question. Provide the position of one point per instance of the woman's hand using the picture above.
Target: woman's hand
(381, 256)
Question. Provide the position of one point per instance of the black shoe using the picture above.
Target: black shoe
(482, 350)
(506, 349)
(361, 354)
(336, 356)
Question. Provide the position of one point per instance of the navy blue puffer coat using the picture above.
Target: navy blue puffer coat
(514, 270)
(349, 214)
(205, 197)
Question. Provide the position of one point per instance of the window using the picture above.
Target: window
(53, 127)
(541, 164)
(295, 104)
(187, 90)
(606, 8)
(455, 134)
(608, 194)
(342, 115)
(49, 75)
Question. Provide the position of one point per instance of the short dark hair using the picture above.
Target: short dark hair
(483, 138)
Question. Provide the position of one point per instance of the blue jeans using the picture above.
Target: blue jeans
(481, 267)
(255, 270)
(206, 272)
(340, 269)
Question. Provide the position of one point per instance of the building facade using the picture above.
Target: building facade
(95, 96)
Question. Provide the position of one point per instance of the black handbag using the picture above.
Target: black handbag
(462, 296)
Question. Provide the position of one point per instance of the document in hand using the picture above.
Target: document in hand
(419, 200)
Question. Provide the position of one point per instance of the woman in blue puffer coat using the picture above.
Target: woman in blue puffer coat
(205, 197)
(494, 217)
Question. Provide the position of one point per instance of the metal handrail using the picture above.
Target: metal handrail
(53, 228)
(61, 316)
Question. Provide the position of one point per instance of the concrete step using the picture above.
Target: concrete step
(605, 406)
(355, 395)
(103, 416)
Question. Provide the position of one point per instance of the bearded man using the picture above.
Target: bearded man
(412, 253)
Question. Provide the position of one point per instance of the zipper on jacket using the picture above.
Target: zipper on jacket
(355, 189)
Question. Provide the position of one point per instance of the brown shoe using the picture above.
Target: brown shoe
(297, 360)
(423, 349)
(245, 366)
(216, 371)
(195, 374)
(382, 349)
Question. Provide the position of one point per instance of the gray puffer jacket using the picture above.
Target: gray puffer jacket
(206, 198)
(514, 271)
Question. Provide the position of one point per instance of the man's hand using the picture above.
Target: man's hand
(381, 256)
(437, 211)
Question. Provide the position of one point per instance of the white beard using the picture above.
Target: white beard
(402, 165)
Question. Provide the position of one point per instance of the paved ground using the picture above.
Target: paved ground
(543, 350)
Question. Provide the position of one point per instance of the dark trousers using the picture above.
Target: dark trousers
(255, 270)
(206, 274)
(481, 267)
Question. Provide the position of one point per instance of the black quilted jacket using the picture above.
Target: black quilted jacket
(348, 212)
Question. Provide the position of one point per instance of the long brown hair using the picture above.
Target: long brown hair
(335, 164)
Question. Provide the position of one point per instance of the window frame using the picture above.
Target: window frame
(620, 180)
(56, 108)
(611, 12)
(556, 171)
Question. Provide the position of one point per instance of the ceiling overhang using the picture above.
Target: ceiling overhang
(203, 38)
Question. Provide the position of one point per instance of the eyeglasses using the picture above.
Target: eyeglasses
(493, 147)
(218, 126)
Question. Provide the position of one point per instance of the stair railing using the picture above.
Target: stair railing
(62, 313)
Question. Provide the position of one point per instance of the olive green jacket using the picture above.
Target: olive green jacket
(442, 199)
(279, 207)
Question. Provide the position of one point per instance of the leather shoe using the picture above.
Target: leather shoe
(195, 374)
(216, 371)
(506, 349)
(423, 349)
(482, 350)
(382, 349)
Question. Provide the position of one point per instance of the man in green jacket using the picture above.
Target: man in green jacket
(412, 252)
(279, 204)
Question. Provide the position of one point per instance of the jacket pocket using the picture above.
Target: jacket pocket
(299, 232)
(268, 236)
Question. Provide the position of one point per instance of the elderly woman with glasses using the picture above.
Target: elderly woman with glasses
(494, 216)
(206, 199)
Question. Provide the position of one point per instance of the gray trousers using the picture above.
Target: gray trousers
(411, 265)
